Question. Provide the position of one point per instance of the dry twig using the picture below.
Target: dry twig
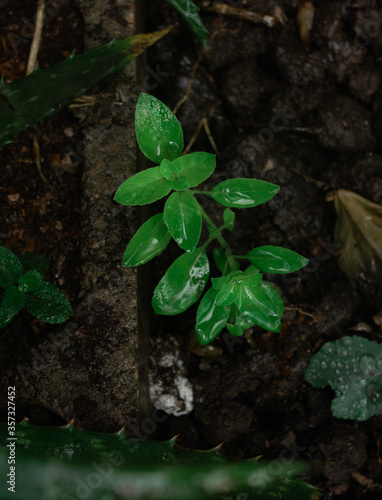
(32, 60)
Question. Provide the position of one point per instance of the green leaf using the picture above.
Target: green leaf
(240, 324)
(49, 304)
(219, 283)
(229, 218)
(159, 133)
(243, 193)
(182, 284)
(183, 218)
(143, 188)
(30, 281)
(149, 241)
(232, 289)
(13, 302)
(172, 173)
(196, 167)
(352, 366)
(27, 100)
(210, 318)
(251, 270)
(223, 263)
(256, 305)
(189, 11)
(10, 268)
(276, 260)
(270, 289)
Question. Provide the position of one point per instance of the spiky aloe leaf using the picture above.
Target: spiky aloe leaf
(27, 100)
(68, 463)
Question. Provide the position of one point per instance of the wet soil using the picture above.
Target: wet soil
(301, 111)
(304, 114)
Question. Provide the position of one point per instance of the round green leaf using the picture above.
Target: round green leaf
(352, 366)
(196, 167)
(276, 260)
(210, 318)
(183, 218)
(150, 240)
(243, 193)
(143, 188)
(159, 133)
(29, 281)
(49, 304)
(10, 268)
(182, 284)
(13, 302)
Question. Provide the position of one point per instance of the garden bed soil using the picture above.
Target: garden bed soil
(301, 109)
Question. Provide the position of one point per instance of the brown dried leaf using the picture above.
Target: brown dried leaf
(359, 232)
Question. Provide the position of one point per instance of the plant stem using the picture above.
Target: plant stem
(220, 238)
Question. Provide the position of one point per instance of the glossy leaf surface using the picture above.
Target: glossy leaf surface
(13, 302)
(30, 281)
(224, 264)
(183, 218)
(46, 90)
(149, 241)
(159, 133)
(257, 306)
(273, 294)
(243, 193)
(189, 11)
(10, 268)
(358, 231)
(196, 167)
(276, 260)
(182, 284)
(352, 366)
(210, 318)
(172, 173)
(240, 324)
(49, 304)
(229, 218)
(143, 188)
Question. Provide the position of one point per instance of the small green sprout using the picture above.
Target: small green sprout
(238, 299)
(352, 366)
(28, 289)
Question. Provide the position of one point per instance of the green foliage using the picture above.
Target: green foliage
(237, 300)
(28, 289)
(68, 463)
(27, 100)
(352, 366)
(189, 11)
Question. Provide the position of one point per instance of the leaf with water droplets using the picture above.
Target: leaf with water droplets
(159, 133)
(182, 284)
(352, 366)
(49, 304)
(13, 302)
(10, 268)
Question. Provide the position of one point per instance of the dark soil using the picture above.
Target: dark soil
(301, 113)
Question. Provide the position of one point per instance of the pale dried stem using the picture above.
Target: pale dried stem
(35, 46)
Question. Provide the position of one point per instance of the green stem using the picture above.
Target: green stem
(220, 238)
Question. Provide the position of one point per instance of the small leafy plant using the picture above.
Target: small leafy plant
(352, 366)
(238, 299)
(28, 289)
